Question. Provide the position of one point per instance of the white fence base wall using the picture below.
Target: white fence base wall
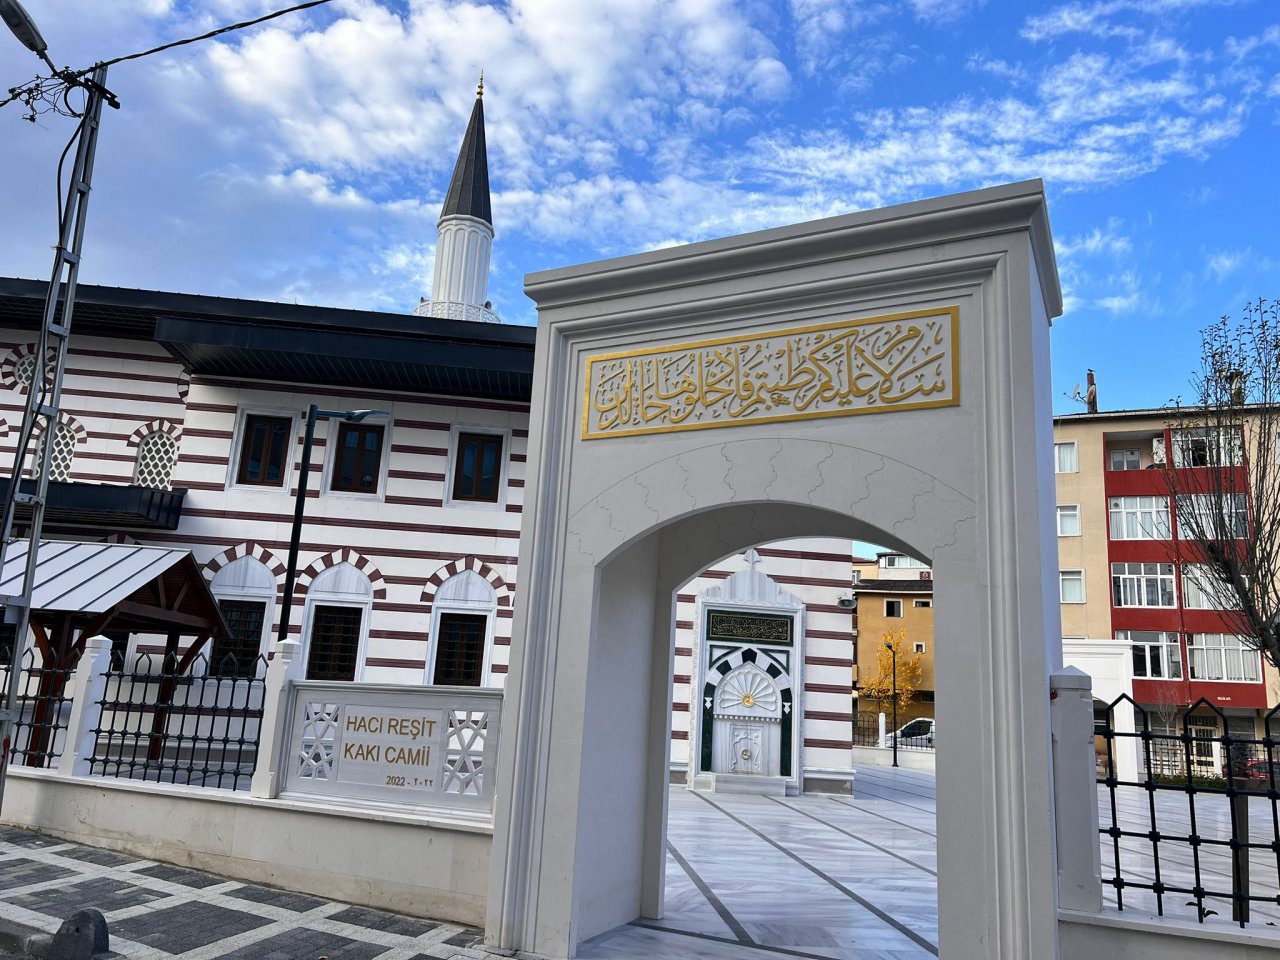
(1132, 936)
(882, 757)
(426, 866)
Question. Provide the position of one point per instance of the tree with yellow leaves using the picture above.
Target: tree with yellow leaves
(880, 688)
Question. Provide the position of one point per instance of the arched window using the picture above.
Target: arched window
(246, 593)
(157, 454)
(60, 457)
(24, 369)
(462, 618)
(336, 626)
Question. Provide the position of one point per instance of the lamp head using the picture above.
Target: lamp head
(355, 416)
(23, 27)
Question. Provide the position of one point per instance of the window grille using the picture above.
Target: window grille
(157, 455)
(335, 642)
(239, 656)
(64, 451)
(24, 369)
(460, 649)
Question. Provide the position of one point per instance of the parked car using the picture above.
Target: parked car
(917, 733)
(1260, 769)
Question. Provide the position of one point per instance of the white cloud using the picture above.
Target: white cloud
(1223, 263)
(943, 11)
(1105, 18)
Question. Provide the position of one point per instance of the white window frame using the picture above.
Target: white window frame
(1057, 460)
(1192, 576)
(922, 604)
(918, 647)
(1228, 440)
(1146, 514)
(1062, 578)
(1143, 576)
(1168, 647)
(503, 472)
(328, 598)
(331, 461)
(1074, 510)
(1123, 451)
(237, 441)
(1191, 503)
(263, 594)
(1243, 653)
(893, 616)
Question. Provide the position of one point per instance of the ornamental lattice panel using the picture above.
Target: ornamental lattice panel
(24, 368)
(464, 753)
(157, 454)
(319, 734)
(60, 457)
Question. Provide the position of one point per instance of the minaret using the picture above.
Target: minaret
(465, 242)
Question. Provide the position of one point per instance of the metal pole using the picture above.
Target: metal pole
(894, 651)
(299, 506)
(44, 397)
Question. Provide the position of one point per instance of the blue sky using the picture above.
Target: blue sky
(306, 160)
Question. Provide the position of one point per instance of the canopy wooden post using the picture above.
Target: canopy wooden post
(55, 670)
(164, 698)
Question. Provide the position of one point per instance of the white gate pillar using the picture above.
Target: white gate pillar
(693, 402)
(284, 669)
(1075, 791)
(86, 708)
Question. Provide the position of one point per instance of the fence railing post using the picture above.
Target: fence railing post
(1075, 791)
(284, 669)
(882, 731)
(86, 708)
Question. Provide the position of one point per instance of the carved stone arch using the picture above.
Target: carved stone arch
(501, 588)
(344, 555)
(77, 428)
(249, 548)
(156, 426)
(12, 365)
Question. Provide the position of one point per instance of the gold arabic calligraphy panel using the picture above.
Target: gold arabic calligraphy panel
(901, 362)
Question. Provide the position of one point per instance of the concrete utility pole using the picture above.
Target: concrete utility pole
(44, 395)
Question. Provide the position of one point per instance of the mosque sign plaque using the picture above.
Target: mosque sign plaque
(902, 361)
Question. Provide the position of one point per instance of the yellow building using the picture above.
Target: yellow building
(894, 593)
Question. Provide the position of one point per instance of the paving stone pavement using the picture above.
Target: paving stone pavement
(156, 910)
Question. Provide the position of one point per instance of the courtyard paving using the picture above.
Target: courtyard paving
(748, 878)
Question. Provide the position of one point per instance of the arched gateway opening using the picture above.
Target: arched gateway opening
(692, 403)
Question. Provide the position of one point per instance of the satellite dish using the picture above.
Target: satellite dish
(23, 27)
(1075, 394)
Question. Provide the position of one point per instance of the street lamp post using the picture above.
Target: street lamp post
(893, 654)
(314, 413)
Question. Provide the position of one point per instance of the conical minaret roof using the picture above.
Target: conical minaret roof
(468, 194)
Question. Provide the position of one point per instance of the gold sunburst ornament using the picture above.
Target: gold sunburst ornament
(748, 700)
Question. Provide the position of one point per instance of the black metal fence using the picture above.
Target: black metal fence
(191, 723)
(914, 734)
(43, 708)
(1199, 827)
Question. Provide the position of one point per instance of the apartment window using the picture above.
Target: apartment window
(922, 604)
(1066, 457)
(238, 656)
(1199, 592)
(899, 561)
(918, 647)
(1207, 447)
(1068, 519)
(1142, 585)
(1071, 586)
(1124, 459)
(1156, 655)
(460, 649)
(335, 642)
(1222, 656)
(1139, 518)
(893, 608)
(857, 576)
(357, 461)
(477, 467)
(1223, 516)
(264, 450)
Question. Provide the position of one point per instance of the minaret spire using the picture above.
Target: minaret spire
(465, 241)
